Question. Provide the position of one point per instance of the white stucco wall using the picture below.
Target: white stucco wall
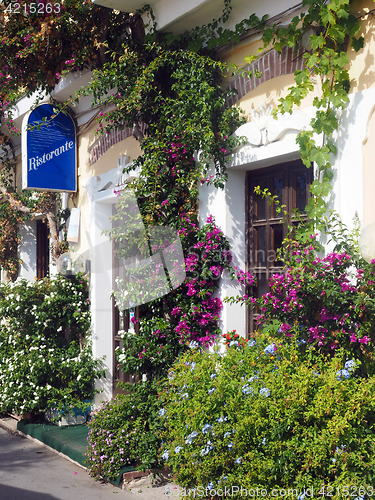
(100, 255)
(27, 250)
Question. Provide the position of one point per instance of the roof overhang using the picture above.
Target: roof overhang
(177, 16)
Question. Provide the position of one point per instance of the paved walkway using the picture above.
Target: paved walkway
(30, 470)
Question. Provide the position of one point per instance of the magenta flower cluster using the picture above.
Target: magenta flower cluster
(327, 301)
(177, 154)
(198, 314)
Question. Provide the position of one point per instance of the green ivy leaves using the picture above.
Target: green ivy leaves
(332, 28)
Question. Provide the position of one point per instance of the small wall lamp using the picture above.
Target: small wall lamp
(69, 264)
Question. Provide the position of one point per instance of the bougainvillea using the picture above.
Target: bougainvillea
(189, 314)
(327, 301)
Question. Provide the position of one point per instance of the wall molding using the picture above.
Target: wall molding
(272, 64)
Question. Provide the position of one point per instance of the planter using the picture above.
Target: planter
(75, 416)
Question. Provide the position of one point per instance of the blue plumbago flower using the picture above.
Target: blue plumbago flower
(206, 428)
(264, 441)
(333, 460)
(253, 378)
(316, 374)
(230, 445)
(185, 395)
(206, 450)
(213, 375)
(210, 486)
(192, 366)
(210, 391)
(233, 342)
(238, 460)
(167, 489)
(270, 349)
(350, 365)
(193, 344)
(240, 361)
(301, 341)
(341, 449)
(251, 343)
(190, 437)
(301, 496)
(162, 412)
(170, 375)
(342, 374)
(227, 434)
(165, 455)
(222, 419)
(178, 449)
(264, 392)
(246, 389)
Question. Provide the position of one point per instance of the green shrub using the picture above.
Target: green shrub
(45, 351)
(269, 417)
(125, 431)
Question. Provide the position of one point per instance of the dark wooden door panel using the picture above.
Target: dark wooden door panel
(265, 230)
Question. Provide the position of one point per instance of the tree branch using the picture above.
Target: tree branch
(137, 132)
(15, 204)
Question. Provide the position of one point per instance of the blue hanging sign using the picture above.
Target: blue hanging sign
(49, 155)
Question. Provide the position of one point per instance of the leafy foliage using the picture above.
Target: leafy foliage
(45, 350)
(125, 431)
(266, 416)
(39, 46)
(189, 314)
(327, 30)
(177, 96)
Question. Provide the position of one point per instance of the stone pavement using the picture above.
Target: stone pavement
(33, 471)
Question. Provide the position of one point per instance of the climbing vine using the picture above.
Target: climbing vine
(168, 88)
(38, 47)
(327, 30)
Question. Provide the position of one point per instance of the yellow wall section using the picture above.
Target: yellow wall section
(108, 160)
(362, 63)
(270, 92)
(129, 147)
